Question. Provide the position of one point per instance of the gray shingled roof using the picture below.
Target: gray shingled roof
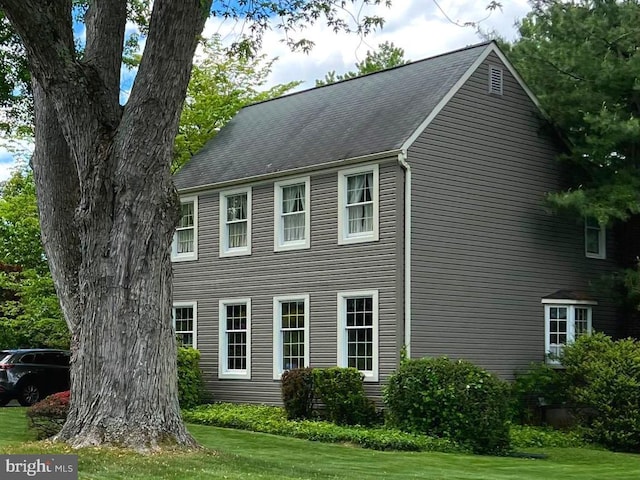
(369, 114)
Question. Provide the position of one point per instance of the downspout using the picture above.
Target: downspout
(402, 160)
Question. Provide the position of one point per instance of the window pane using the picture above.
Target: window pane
(293, 227)
(359, 317)
(360, 218)
(185, 240)
(293, 198)
(592, 240)
(292, 334)
(236, 207)
(183, 324)
(238, 234)
(186, 215)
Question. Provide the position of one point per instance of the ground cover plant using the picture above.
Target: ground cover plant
(234, 454)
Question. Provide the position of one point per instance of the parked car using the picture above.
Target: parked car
(29, 375)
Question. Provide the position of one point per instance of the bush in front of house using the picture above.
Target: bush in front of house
(540, 385)
(451, 399)
(342, 393)
(298, 393)
(273, 420)
(190, 383)
(604, 377)
(46, 417)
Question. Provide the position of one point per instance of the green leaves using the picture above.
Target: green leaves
(581, 60)
(220, 86)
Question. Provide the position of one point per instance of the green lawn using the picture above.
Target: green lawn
(232, 454)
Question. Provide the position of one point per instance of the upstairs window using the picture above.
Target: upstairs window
(566, 320)
(235, 222)
(291, 214)
(594, 239)
(358, 205)
(185, 239)
(184, 323)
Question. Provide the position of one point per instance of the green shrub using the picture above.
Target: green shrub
(298, 393)
(543, 437)
(342, 393)
(451, 399)
(190, 383)
(539, 385)
(273, 420)
(604, 377)
(47, 417)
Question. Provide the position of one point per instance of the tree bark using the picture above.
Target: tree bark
(108, 209)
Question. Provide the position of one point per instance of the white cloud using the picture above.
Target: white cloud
(417, 26)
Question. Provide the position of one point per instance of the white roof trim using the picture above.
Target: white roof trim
(491, 48)
(559, 301)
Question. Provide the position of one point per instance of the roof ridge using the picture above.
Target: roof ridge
(422, 60)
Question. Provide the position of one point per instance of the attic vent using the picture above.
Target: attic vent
(495, 80)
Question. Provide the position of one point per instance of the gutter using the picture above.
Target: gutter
(268, 176)
(402, 161)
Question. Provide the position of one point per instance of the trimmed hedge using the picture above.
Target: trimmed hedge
(273, 420)
(190, 384)
(298, 393)
(604, 377)
(342, 393)
(47, 417)
(451, 399)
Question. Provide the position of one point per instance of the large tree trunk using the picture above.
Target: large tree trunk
(108, 209)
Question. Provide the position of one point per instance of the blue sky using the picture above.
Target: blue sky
(417, 26)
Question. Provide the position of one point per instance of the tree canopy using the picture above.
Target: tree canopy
(386, 56)
(582, 60)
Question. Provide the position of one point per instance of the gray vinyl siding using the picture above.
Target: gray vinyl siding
(321, 271)
(484, 251)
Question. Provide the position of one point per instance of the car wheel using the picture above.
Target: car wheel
(29, 394)
(4, 401)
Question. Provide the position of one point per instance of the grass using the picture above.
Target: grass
(234, 454)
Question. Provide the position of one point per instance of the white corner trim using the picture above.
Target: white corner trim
(402, 160)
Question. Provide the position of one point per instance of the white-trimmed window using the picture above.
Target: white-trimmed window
(185, 323)
(565, 321)
(290, 333)
(185, 238)
(235, 222)
(291, 214)
(234, 346)
(358, 190)
(358, 332)
(595, 239)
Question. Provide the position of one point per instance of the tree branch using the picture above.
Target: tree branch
(105, 22)
(165, 67)
(58, 194)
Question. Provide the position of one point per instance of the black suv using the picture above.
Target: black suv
(29, 375)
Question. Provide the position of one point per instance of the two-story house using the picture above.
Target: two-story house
(397, 210)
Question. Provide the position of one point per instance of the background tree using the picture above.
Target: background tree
(30, 314)
(106, 200)
(581, 59)
(386, 56)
